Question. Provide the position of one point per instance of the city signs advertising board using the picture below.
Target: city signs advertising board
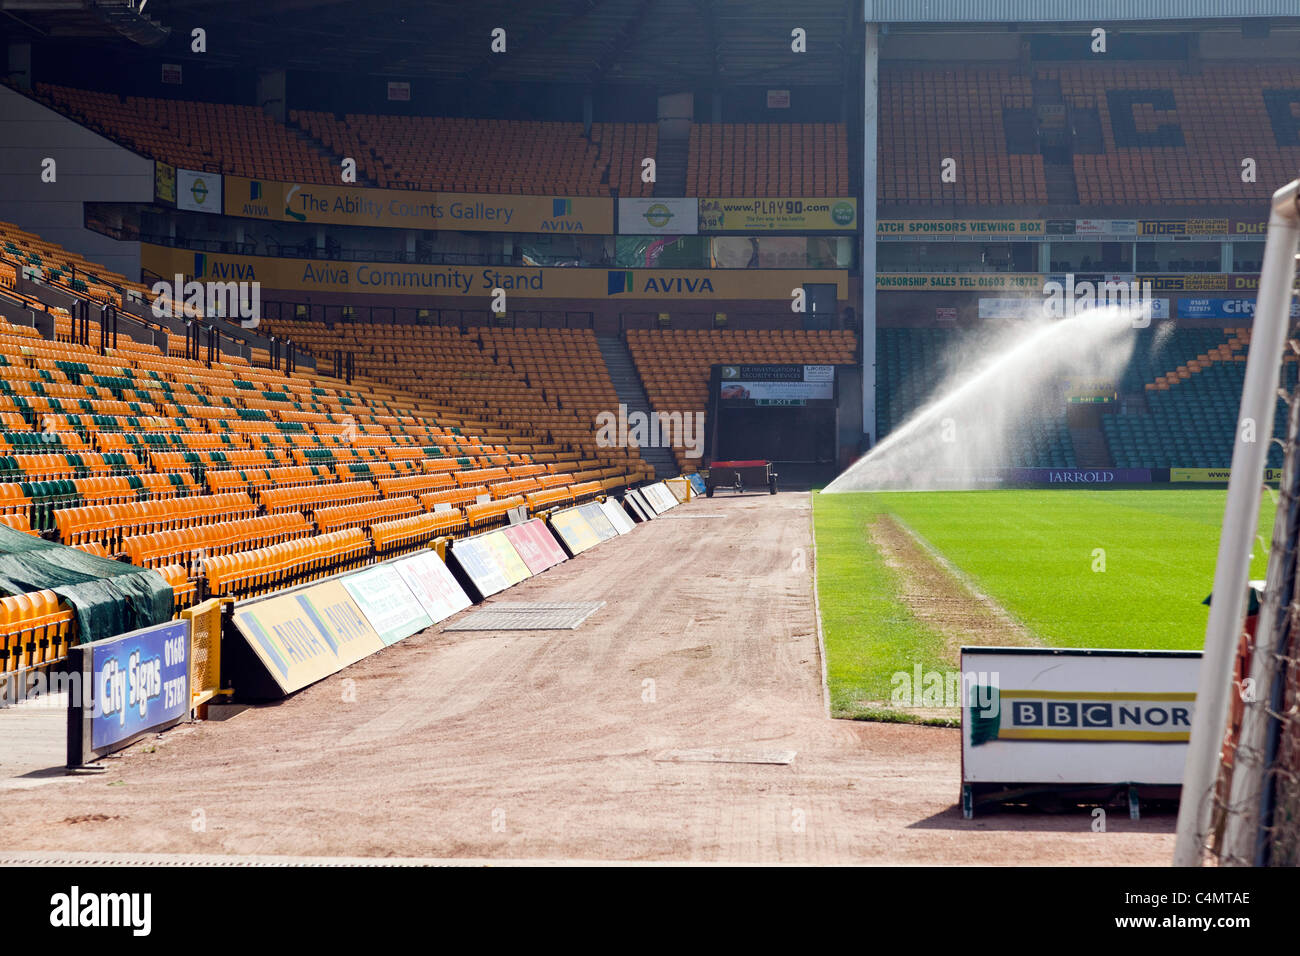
(133, 684)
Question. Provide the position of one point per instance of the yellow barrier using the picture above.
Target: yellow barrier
(205, 649)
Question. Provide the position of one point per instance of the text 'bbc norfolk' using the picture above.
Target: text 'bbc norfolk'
(75, 909)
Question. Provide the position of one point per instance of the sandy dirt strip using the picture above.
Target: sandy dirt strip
(547, 744)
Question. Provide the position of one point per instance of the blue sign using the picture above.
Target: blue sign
(139, 681)
(1222, 307)
(697, 484)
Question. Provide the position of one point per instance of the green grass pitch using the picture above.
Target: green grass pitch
(1033, 552)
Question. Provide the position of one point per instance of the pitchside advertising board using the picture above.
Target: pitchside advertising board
(595, 517)
(536, 545)
(639, 505)
(1075, 717)
(617, 516)
(660, 498)
(307, 635)
(436, 588)
(310, 633)
(574, 530)
(387, 603)
(478, 561)
(131, 685)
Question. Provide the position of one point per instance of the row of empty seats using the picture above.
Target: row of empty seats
(553, 379)
(217, 137)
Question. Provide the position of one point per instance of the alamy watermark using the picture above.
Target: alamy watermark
(977, 690)
(1070, 298)
(683, 430)
(240, 301)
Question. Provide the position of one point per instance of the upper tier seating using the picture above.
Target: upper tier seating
(241, 140)
(485, 155)
(927, 116)
(768, 159)
(1188, 132)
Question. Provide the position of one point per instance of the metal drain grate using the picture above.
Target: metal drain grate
(527, 617)
(727, 756)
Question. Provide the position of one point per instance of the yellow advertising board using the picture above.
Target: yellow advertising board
(1214, 475)
(961, 282)
(993, 228)
(308, 635)
(409, 209)
(478, 282)
(507, 557)
(793, 214)
(574, 530)
(164, 182)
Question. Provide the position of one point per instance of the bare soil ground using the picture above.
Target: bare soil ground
(543, 744)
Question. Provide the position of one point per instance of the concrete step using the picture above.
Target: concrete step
(631, 393)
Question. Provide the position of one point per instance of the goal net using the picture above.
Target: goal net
(1241, 785)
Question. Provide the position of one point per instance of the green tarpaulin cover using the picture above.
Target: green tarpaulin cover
(109, 597)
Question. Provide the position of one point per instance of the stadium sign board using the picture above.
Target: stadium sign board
(197, 192)
(474, 282)
(408, 209)
(776, 384)
(651, 217)
(1076, 717)
(962, 228)
(792, 214)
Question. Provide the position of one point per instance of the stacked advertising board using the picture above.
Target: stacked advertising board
(638, 506)
(294, 639)
(307, 634)
(659, 497)
(130, 685)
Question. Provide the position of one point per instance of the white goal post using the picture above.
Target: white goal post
(1227, 610)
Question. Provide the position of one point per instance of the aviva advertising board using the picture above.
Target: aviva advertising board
(472, 282)
(406, 209)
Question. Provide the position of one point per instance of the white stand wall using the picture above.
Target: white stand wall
(89, 168)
